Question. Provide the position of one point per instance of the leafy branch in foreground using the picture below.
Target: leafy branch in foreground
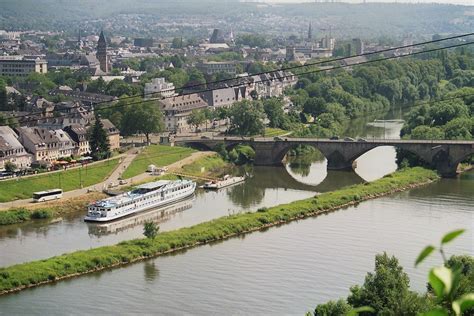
(446, 281)
(386, 290)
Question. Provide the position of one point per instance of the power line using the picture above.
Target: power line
(259, 81)
(416, 104)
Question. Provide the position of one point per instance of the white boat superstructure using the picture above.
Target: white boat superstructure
(225, 182)
(143, 197)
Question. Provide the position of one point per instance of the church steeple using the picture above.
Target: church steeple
(102, 53)
(310, 32)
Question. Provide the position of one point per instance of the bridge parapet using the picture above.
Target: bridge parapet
(443, 155)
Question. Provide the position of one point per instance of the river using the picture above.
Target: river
(285, 270)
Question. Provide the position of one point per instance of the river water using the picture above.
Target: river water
(285, 270)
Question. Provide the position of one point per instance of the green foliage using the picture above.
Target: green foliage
(252, 40)
(32, 273)
(10, 166)
(143, 118)
(333, 308)
(41, 214)
(246, 118)
(14, 216)
(23, 188)
(157, 155)
(98, 140)
(386, 290)
(150, 230)
(274, 110)
(196, 119)
(453, 282)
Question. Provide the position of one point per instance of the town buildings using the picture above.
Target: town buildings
(213, 67)
(159, 87)
(177, 111)
(22, 66)
(11, 150)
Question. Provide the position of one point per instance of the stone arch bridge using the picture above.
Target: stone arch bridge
(444, 155)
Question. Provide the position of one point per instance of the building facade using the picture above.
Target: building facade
(11, 150)
(213, 67)
(177, 111)
(21, 66)
(159, 87)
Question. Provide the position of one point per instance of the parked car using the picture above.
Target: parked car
(362, 140)
(122, 181)
(277, 138)
(334, 138)
(205, 137)
(349, 139)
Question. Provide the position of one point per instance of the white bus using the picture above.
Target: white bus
(42, 196)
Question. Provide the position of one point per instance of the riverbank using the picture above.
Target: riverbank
(204, 165)
(69, 180)
(18, 277)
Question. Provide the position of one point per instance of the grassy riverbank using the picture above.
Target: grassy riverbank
(23, 188)
(50, 210)
(157, 155)
(31, 274)
(211, 166)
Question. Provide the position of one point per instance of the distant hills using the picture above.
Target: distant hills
(371, 19)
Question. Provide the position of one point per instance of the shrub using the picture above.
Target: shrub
(41, 214)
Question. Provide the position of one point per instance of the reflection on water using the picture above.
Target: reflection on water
(283, 271)
(151, 271)
(155, 215)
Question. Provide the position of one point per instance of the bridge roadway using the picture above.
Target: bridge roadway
(444, 155)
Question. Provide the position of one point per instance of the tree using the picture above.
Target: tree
(314, 106)
(3, 96)
(246, 118)
(98, 140)
(196, 119)
(150, 229)
(386, 290)
(143, 118)
(10, 166)
(196, 79)
(332, 308)
(177, 42)
(274, 110)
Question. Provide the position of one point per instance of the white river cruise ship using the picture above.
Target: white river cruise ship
(143, 197)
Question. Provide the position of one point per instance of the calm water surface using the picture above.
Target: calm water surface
(285, 270)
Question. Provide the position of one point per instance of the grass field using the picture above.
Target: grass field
(23, 188)
(272, 132)
(34, 273)
(213, 166)
(157, 155)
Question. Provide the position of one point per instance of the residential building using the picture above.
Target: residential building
(11, 150)
(113, 134)
(21, 66)
(224, 96)
(272, 84)
(177, 111)
(65, 143)
(159, 87)
(78, 134)
(212, 67)
(42, 144)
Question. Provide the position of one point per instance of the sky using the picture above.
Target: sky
(464, 2)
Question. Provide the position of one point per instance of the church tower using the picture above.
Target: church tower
(102, 53)
(310, 32)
